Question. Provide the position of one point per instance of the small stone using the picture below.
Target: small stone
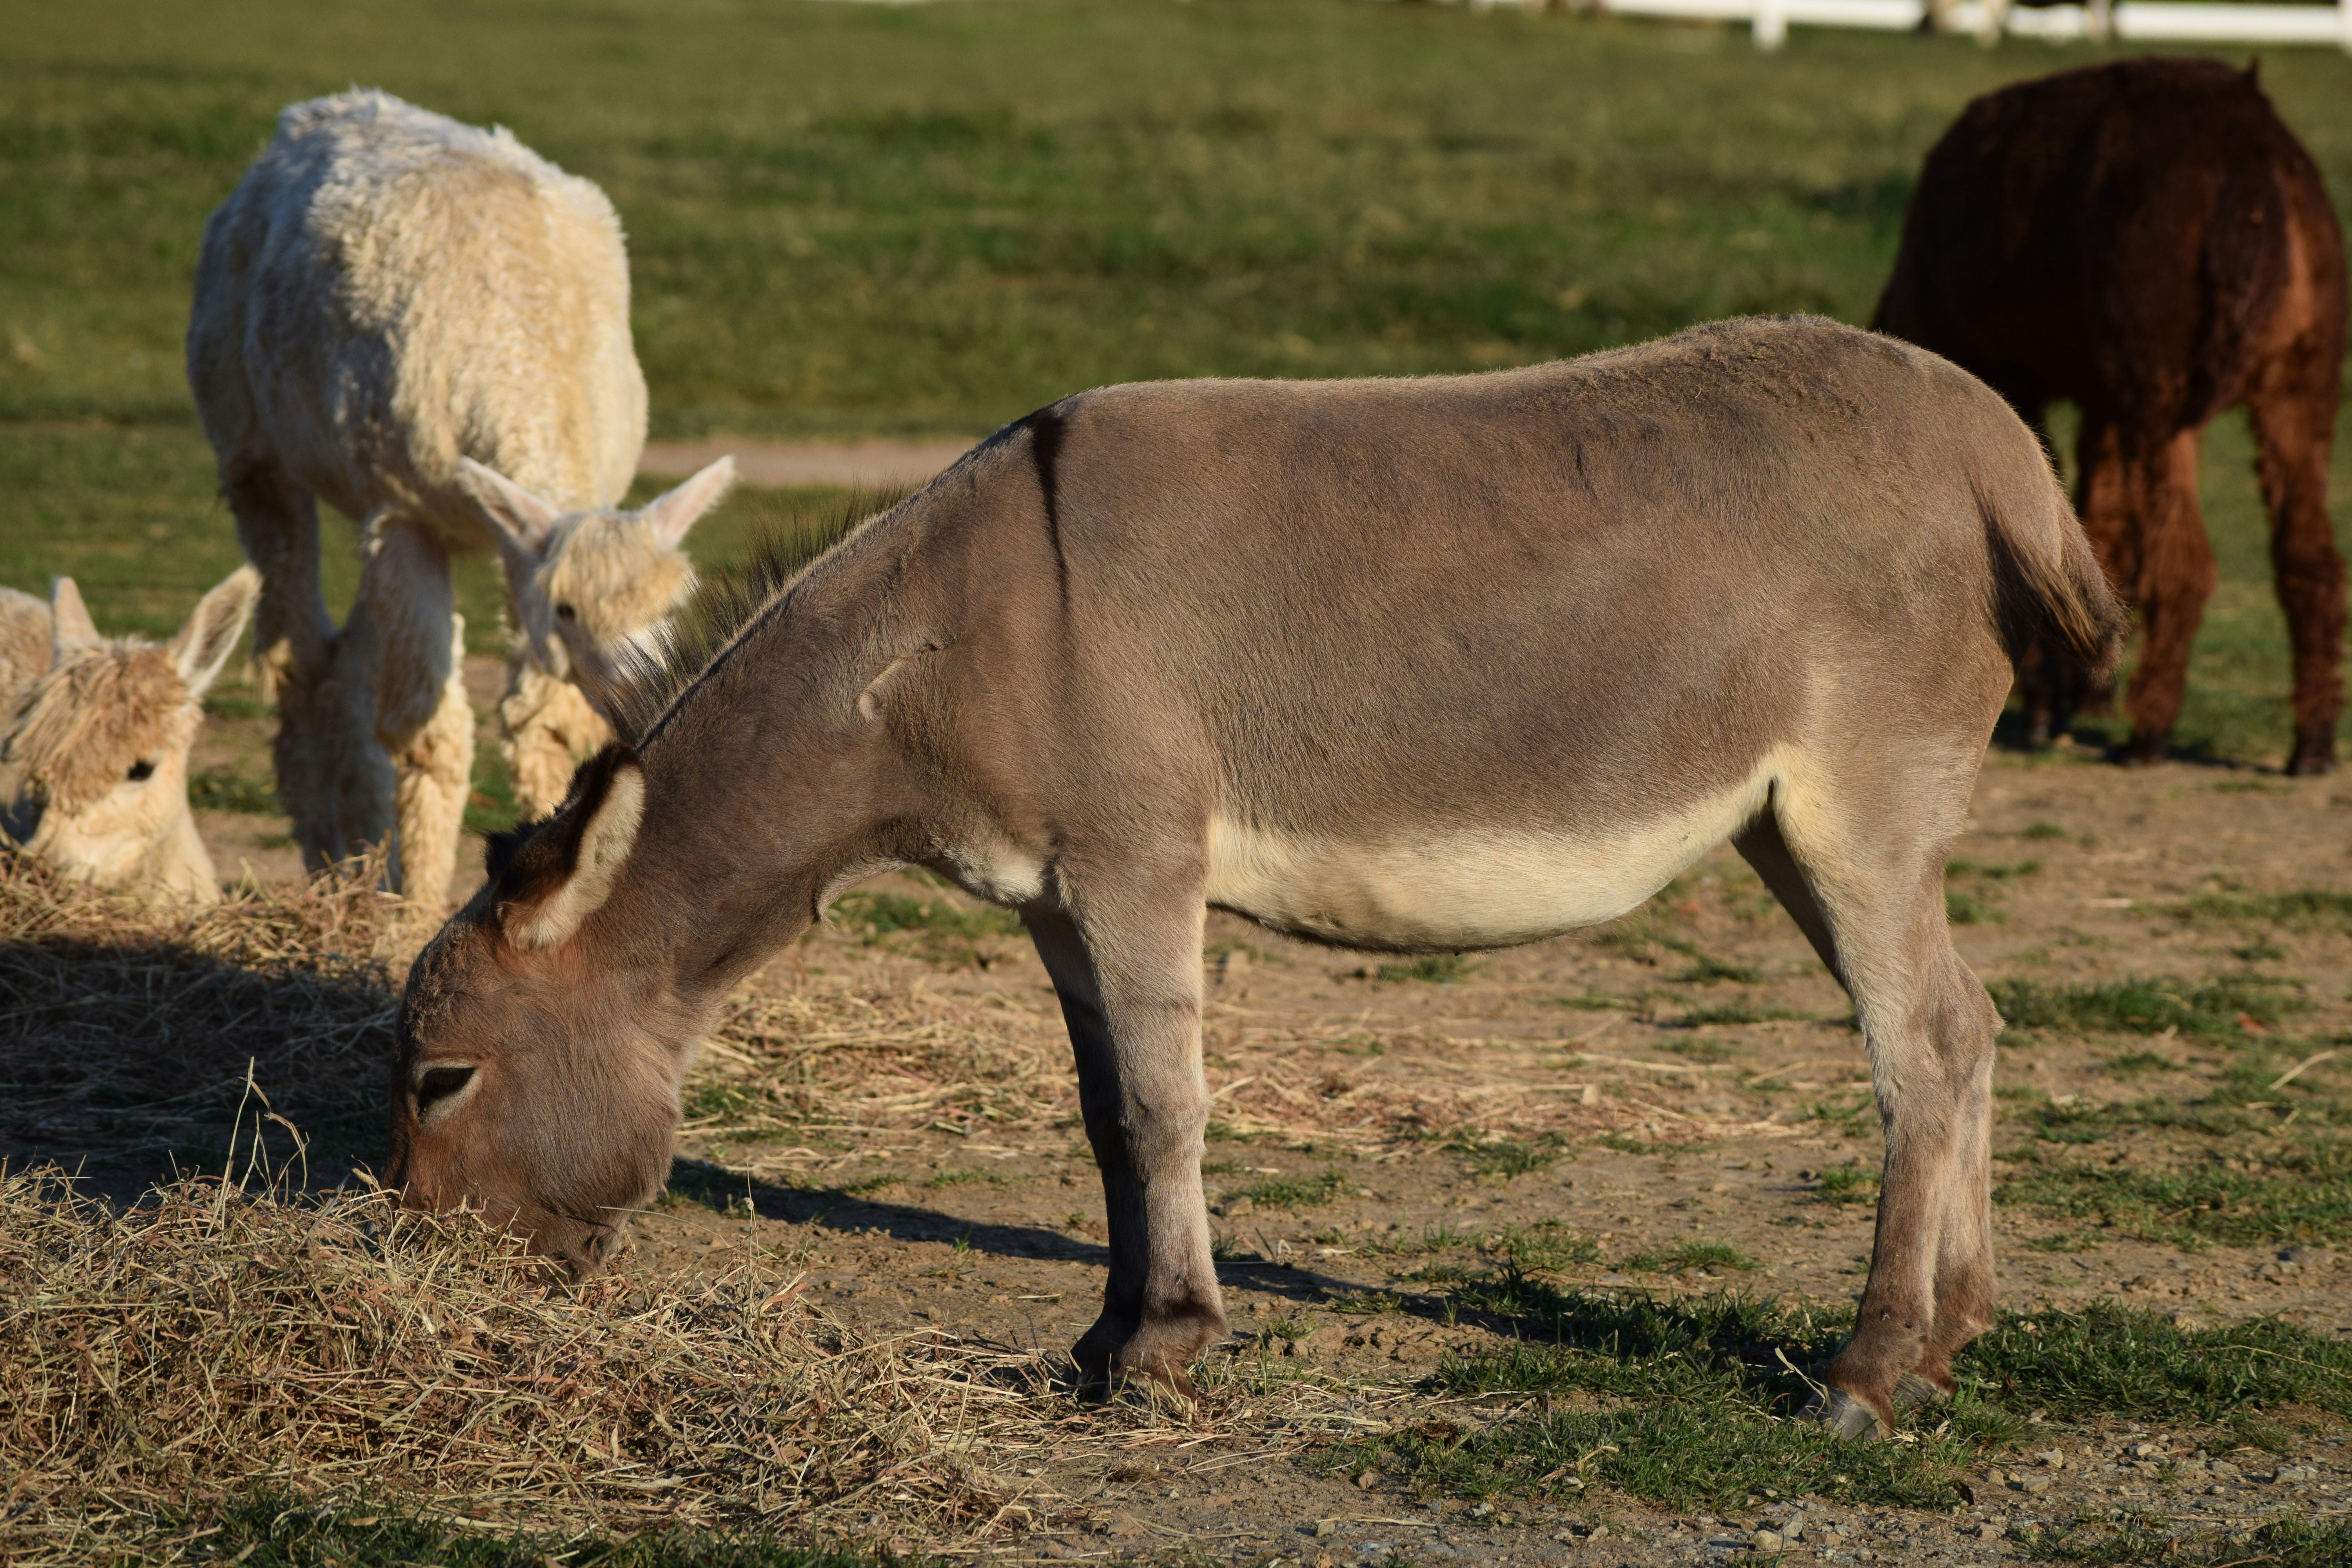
(1367, 1481)
(1766, 1541)
(2053, 1457)
(2034, 1486)
(1597, 1532)
(1326, 1528)
(1991, 1529)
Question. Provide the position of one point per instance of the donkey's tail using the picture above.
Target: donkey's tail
(2047, 583)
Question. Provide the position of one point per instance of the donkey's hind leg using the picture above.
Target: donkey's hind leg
(1128, 971)
(1869, 895)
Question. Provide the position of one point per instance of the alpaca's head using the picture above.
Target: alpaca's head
(594, 590)
(94, 741)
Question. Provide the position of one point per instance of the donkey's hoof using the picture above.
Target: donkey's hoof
(1911, 1391)
(1843, 1414)
(1113, 1354)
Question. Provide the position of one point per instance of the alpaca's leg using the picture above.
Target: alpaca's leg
(2176, 575)
(546, 728)
(2294, 430)
(422, 718)
(325, 753)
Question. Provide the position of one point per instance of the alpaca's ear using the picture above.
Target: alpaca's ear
(70, 623)
(672, 515)
(204, 644)
(522, 523)
(565, 871)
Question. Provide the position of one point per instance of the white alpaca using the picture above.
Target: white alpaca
(388, 292)
(94, 738)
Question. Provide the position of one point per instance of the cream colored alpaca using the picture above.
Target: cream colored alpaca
(94, 738)
(387, 292)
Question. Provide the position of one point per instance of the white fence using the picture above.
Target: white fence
(2134, 21)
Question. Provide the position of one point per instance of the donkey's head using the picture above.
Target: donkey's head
(94, 748)
(594, 589)
(535, 1084)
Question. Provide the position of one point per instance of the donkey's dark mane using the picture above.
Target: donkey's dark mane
(787, 538)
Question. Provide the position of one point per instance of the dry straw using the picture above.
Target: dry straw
(203, 1344)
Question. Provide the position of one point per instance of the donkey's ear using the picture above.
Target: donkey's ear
(567, 869)
(672, 515)
(70, 623)
(521, 521)
(204, 644)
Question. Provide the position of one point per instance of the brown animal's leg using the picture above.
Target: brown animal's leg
(318, 751)
(2294, 430)
(2177, 576)
(2109, 498)
(1129, 983)
(1874, 910)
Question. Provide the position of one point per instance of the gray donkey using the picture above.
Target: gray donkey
(1411, 665)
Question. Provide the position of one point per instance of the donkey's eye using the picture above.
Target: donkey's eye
(140, 771)
(566, 613)
(440, 1083)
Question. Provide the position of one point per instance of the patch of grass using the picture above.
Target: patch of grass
(1504, 1157)
(1296, 1192)
(1970, 909)
(943, 930)
(2132, 1064)
(958, 1178)
(2305, 907)
(2111, 1361)
(1710, 970)
(2149, 1007)
(2294, 1541)
(2299, 1193)
(1740, 1013)
(491, 804)
(1433, 969)
(280, 1530)
(1849, 1183)
(1546, 1246)
(1595, 1002)
(2065, 1241)
(1684, 1256)
(1991, 871)
(2045, 830)
(227, 789)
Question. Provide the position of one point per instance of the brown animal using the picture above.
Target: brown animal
(1415, 665)
(2147, 239)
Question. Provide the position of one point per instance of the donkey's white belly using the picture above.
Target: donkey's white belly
(1483, 888)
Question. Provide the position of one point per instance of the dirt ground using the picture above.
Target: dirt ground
(1684, 1077)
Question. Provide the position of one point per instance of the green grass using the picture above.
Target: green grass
(1684, 1400)
(1504, 1157)
(1296, 1192)
(1436, 969)
(227, 789)
(2214, 1009)
(280, 1532)
(2292, 1194)
(1964, 908)
(871, 218)
(944, 930)
(1738, 1013)
(2294, 1541)
(1708, 971)
(1684, 1256)
(1547, 1246)
(2305, 909)
(1849, 1183)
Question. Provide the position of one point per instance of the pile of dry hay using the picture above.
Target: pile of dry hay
(206, 1342)
(128, 1031)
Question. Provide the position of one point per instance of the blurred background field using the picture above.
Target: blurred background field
(870, 219)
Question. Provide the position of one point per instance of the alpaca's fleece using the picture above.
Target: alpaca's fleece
(389, 291)
(77, 730)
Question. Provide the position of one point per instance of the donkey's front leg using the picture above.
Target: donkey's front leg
(1130, 983)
